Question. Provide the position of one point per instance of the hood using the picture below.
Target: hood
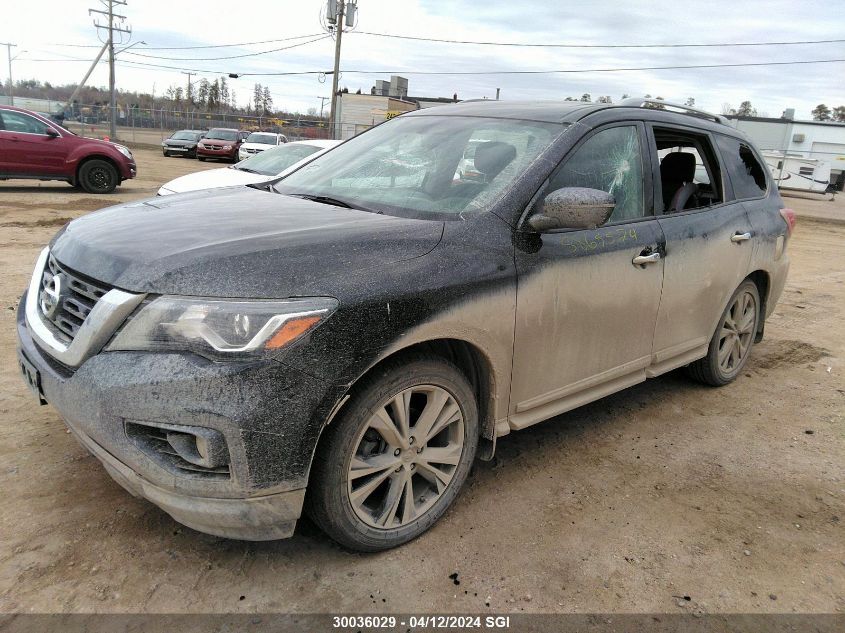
(238, 242)
(179, 142)
(223, 177)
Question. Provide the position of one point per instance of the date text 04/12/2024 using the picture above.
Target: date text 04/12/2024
(422, 621)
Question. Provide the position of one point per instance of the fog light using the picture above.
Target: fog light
(203, 447)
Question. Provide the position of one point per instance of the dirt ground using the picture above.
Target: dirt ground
(667, 497)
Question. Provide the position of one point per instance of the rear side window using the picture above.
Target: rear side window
(745, 171)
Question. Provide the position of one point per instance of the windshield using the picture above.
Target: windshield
(274, 161)
(258, 137)
(186, 136)
(411, 166)
(222, 135)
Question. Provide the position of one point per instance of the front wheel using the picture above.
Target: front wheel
(733, 339)
(201, 158)
(396, 457)
(98, 176)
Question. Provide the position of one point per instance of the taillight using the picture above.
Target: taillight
(788, 216)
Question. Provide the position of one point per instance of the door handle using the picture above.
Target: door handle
(740, 237)
(642, 260)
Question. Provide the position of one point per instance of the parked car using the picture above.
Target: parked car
(369, 325)
(259, 141)
(182, 143)
(263, 167)
(32, 146)
(221, 143)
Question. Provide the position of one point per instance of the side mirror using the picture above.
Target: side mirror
(51, 132)
(573, 208)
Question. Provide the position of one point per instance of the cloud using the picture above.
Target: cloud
(160, 23)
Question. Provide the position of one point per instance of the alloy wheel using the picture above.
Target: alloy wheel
(737, 332)
(405, 457)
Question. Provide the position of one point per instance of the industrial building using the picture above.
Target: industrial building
(387, 99)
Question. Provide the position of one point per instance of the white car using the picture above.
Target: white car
(257, 142)
(263, 167)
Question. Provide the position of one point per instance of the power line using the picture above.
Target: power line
(447, 72)
(563, 71)
(208, 59)
(175, 48)
(534, 45)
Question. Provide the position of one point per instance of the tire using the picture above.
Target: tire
(98, 176)
(201, 158)
(166, 155)
(380, 509)
(733, 339)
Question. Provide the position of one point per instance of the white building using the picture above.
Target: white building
(822, 140)
(387, 99)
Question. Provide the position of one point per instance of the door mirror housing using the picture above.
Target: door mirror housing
(51, 133)
(573, 208)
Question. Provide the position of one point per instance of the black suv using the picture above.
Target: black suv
(369, 325)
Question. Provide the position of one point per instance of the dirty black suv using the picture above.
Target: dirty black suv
(350, 338)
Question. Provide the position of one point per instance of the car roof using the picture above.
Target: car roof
(543, 111)
(565, 112)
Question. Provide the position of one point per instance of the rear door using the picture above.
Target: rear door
(585, 310)
(708, 248)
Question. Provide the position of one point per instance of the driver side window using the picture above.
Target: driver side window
(611, 161)
(19, 122)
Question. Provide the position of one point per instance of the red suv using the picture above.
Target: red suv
(221, 142)
(33, 146)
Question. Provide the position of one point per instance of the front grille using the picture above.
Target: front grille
(212, 146)
(76, 297)
(252, 151)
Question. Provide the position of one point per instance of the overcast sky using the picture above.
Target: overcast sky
(42, 29)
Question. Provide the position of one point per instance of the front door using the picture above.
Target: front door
(587, 300)
(28, 149)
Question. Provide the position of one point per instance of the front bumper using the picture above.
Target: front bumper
(217, 153)
(269, 414)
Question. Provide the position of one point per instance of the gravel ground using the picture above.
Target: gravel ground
(667, 497)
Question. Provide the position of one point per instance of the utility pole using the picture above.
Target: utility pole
(112, 29)
(188, 99)
(336, 11)
(11, 86)
(322, 104)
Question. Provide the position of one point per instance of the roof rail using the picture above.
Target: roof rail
(636, 102)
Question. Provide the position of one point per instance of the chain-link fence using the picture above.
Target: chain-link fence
(152, 125)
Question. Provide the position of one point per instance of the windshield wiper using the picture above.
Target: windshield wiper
(337, 202)
(247, 169)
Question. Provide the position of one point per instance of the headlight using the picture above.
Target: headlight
(227, 147)
(164, 144)
(220, 328)
(123, 150)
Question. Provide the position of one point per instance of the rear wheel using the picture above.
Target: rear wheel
(396, 457)
(733, 339)
(98, 176)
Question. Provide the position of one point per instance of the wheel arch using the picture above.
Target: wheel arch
(470, 360)
(762, 280)
(89, 157)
